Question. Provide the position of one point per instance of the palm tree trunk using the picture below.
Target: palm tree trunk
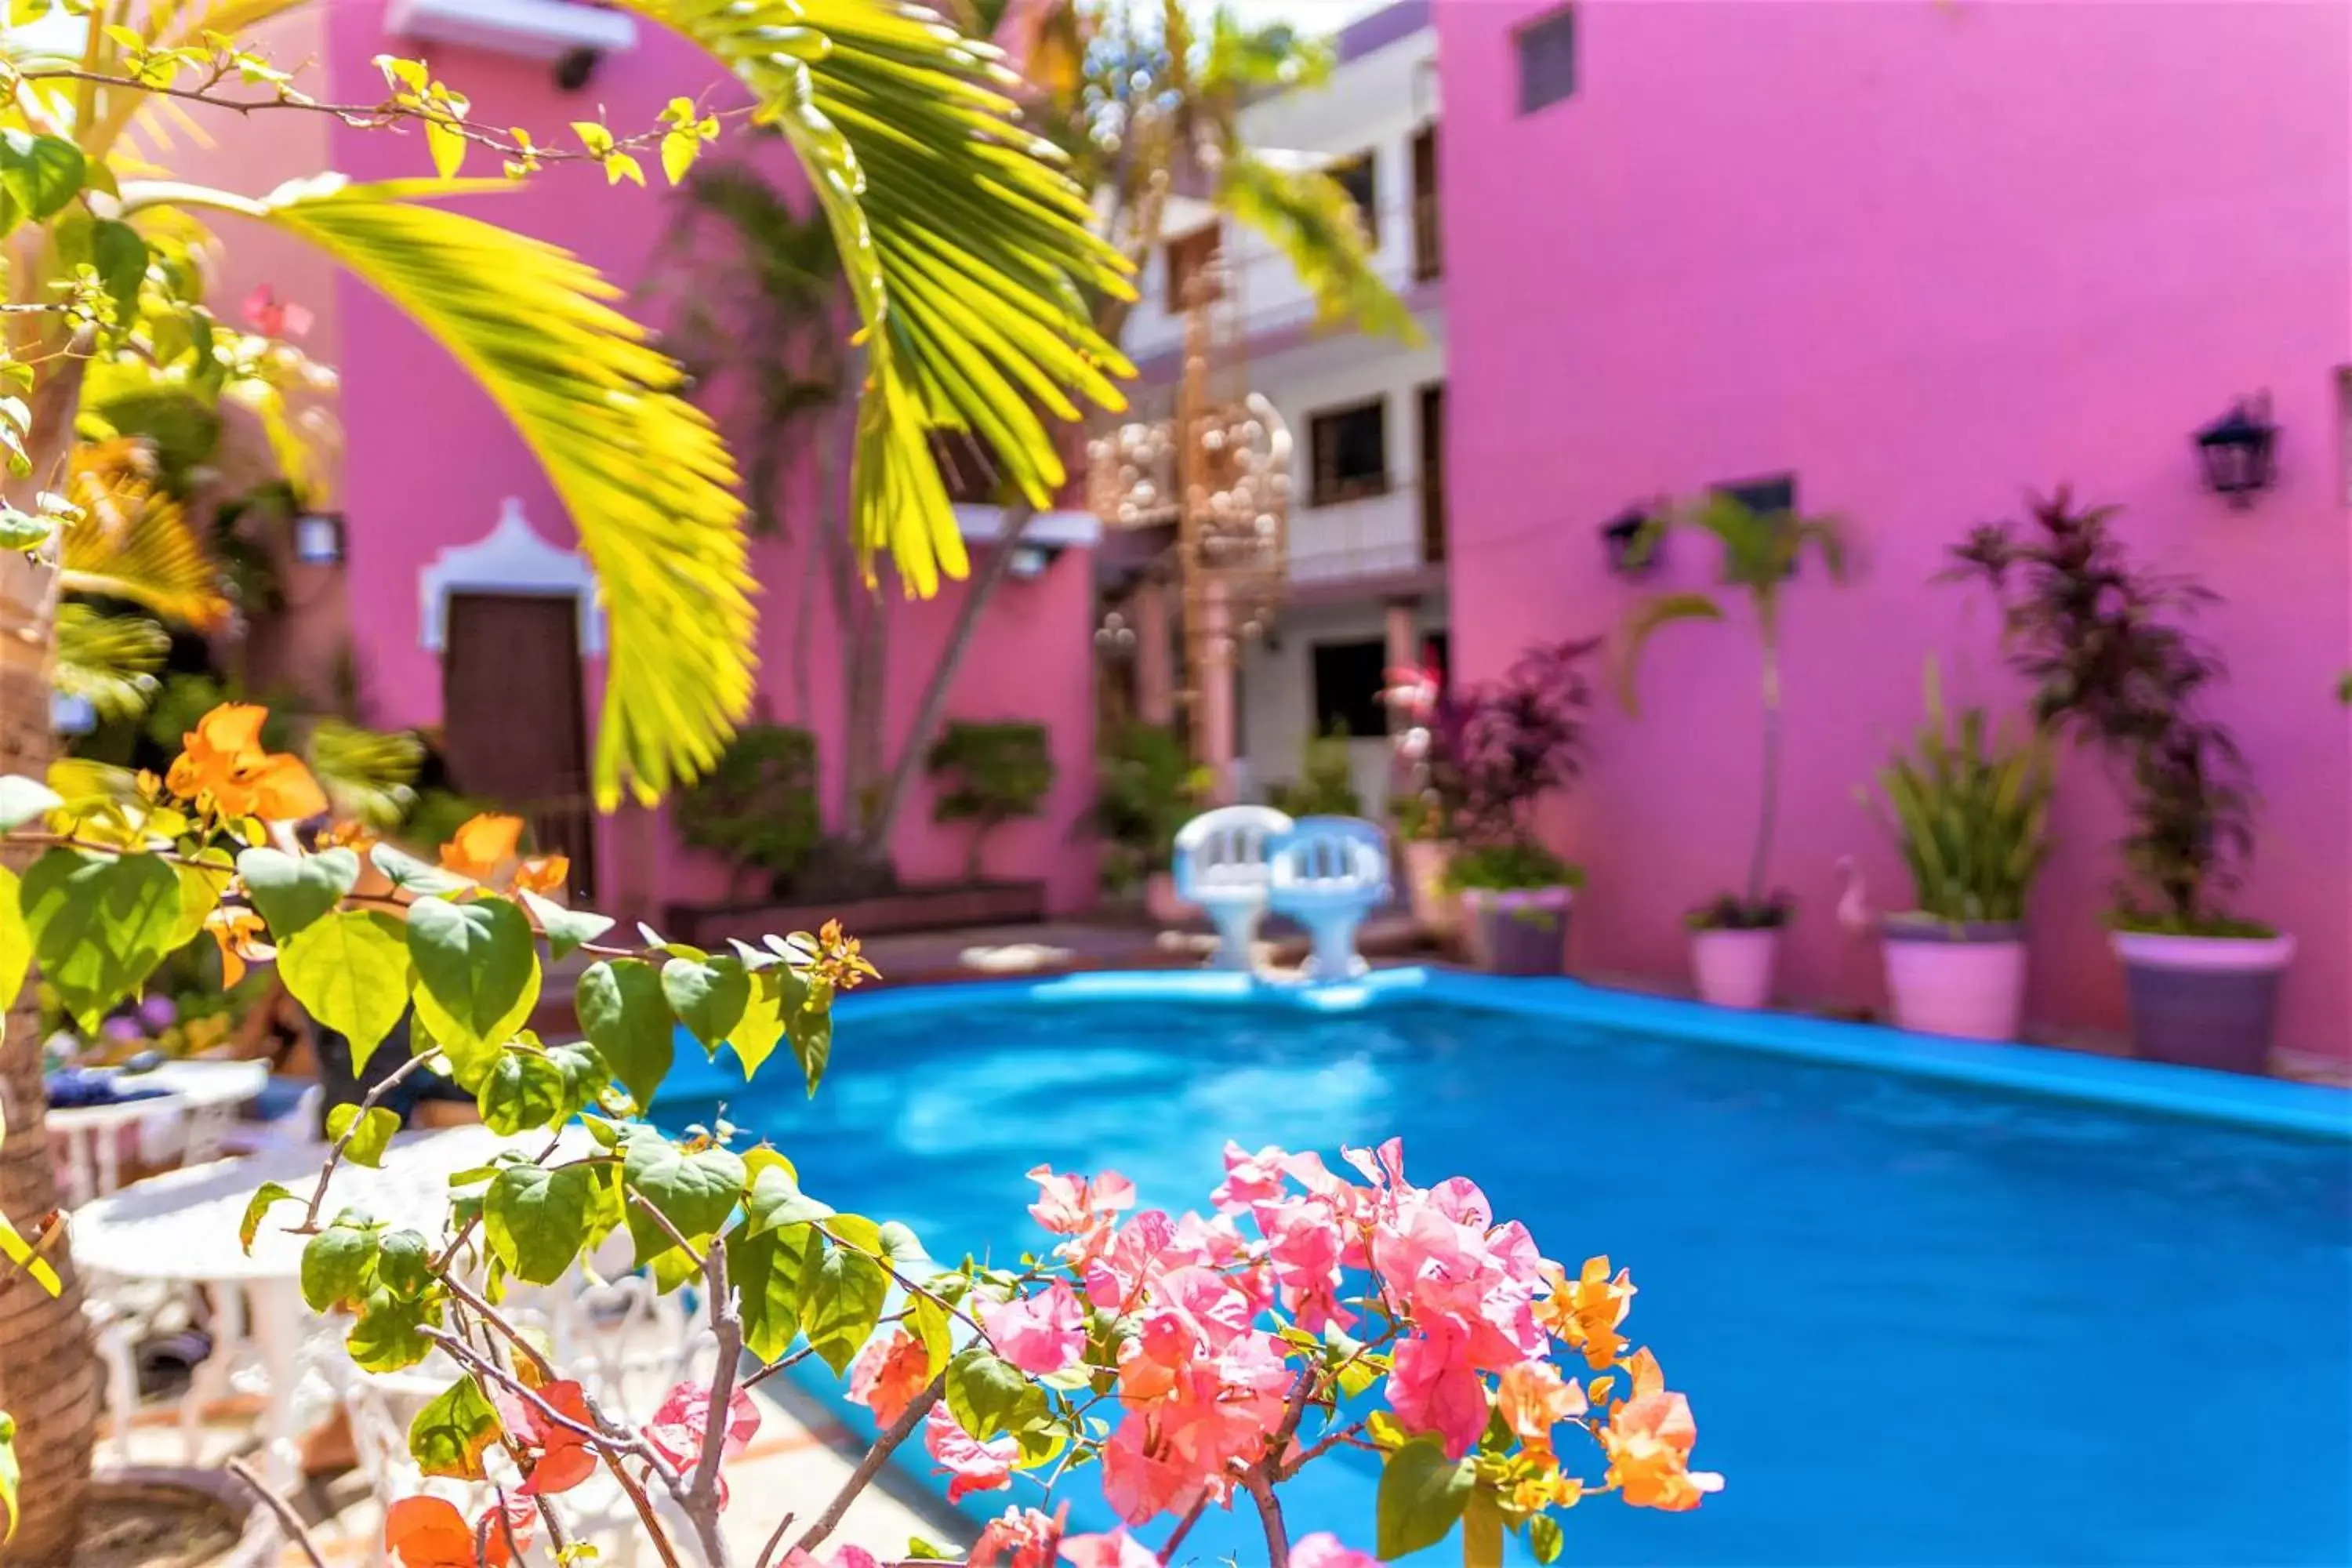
(917, 745)
(48, 1368)
(1761, 866)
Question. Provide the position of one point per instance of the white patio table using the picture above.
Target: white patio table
(181, 1227)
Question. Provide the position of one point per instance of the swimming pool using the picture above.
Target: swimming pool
(1932, 1303)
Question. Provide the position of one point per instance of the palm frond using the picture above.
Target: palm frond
(1312, 220)
(968, 253)
(643, 473)
(109, 661)
(134, 542)
(369, 775)
(1660, 610)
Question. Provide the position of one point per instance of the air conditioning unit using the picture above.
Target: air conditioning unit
(531, 29)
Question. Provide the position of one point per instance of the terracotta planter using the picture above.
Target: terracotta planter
(1160, 902)
(1522, 932)
(1967, 981)
(1437, 910)
(2205, 1002)
(1733, 968)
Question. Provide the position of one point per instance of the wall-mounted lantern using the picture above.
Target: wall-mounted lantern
(2239, 450)
(1632, 544)
(319, 539)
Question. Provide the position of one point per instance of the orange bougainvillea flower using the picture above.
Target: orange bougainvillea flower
(483, 844)
(356, 836)
(545, 875)
(1547, 1488)
(1584, 1315)
(564, 1457)
(1649, 1440)
(222, 760)
(1533, 1398)
(429, 1532)
(239, 932)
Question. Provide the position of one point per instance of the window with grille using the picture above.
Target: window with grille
(1547, 60)
(1358, 177)
(1351, 451)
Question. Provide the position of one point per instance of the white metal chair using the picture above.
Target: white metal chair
(1221, 865)
(1328, 873)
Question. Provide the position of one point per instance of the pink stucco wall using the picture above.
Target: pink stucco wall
(430, 459)
(1925, 256)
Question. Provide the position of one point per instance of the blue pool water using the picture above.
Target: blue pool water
(1921, 1321)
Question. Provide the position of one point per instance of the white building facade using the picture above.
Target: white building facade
(1366, 414)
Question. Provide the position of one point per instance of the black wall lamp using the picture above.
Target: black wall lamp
(2240, 451)
(1632, 543)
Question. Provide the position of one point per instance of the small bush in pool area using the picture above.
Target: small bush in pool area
(1189, 1362)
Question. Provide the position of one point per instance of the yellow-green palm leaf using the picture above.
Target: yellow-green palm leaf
(109, 661)
(643, 473)
(133, 542)
(969, 252)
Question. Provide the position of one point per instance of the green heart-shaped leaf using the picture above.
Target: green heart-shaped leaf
(710, 997)
(351, 971)
(292, 891)
(478, 977)
(101, 925)
(625, 1016)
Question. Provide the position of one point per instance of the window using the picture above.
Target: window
(1432, 472)
(1428, 259)
(1359, 178)
(1189, 256)
(1547, 60)
(1764, 498)
(1349, 678)
(1350, 450)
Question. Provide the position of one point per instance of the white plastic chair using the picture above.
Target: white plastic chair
(1221, 865)
(1328, 873)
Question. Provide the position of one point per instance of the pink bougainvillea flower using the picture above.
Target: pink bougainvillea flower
(1432, 1387)
(1071, 1204)
(1304, 1251)
(1041, 1335)
(1141, 1479)
(1119, 1262)
(889, 1373)
(678, 1428)
(1250, 1179)
(1585, 1314)
(273, 318)
(970, 1465)
(1534, 1398)
(1117, 1550)
(1322, 1550)
(843, 1557)
(1485, 1281)
(1018, 1537)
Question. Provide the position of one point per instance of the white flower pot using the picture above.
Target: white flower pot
(1969, 983)
(1735, 967)
(2204, 1001)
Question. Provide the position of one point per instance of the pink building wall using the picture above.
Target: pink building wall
(1925, 256)
(429, 461)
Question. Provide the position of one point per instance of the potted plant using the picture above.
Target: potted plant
(1426, 804)
(1735, 937)
(993, 772)
(1146, 787)
(1510, 743)
(1327, 781)
(2113, 666)
(1970, 807)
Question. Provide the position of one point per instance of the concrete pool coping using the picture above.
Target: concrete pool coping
(2267, 1104)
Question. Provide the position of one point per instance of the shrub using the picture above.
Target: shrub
(995, 773)
(1970, 809)
(757, 807)
(1327, 781)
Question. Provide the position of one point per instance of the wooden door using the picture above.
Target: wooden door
(513, 718)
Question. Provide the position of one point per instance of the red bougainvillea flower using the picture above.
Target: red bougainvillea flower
(970, 1465)
(678, 1428)
(889, 1373)
(1322, 1550)
(429, 1532)
(222, 760)
(1584, 1315)
(561, 1456)
(1018, 1537)
(1117, 1550)
(1072, 1205)
(1041, 1335)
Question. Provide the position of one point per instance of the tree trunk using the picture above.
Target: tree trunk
(1760, 868)
(48, 1367)
(917, 745)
